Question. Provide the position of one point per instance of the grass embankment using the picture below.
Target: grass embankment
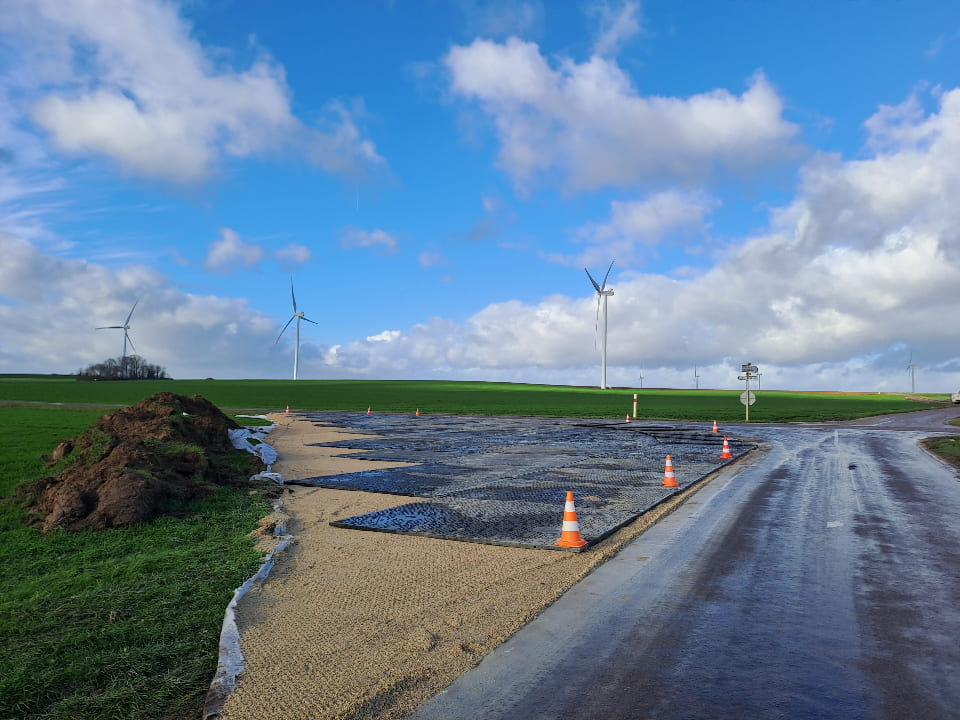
(947, 448)
(114, 623)
(475, 398)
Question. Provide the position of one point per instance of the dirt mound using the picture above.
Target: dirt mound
(138, 462)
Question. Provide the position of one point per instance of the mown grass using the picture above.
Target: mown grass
(117, 623)
(474, 398)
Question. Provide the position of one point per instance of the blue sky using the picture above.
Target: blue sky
(777, 183)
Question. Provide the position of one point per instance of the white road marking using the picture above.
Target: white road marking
(834, 524)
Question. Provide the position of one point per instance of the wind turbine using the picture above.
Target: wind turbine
(125, 327)
(604, 293)
(299, 316)
(910, 368)
(696, 378)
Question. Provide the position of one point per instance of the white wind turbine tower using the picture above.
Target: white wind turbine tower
(604, 293)
(298, 316)
(125, 327)
(910, 368)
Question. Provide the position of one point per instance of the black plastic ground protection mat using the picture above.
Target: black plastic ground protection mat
(530, 525)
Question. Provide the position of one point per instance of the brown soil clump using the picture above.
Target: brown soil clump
(138, 462)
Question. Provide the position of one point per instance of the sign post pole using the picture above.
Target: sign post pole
(749, 370)
(634, 406)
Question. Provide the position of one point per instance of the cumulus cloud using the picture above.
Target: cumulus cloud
(49, 307)
(143, 92)
(586, 124)
(382, 242)
(231, 251)
(640, 224)
(858, 270)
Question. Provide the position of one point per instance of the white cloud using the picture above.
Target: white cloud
(617, 26)
(586, 124)
(143, 92)
(640, 224)
(292, 256)
(384, 337)
(230, 251)
(49, 307)
(382, 242)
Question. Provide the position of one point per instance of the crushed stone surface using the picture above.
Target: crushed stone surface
(361, 625)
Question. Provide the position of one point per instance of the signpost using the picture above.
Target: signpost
(748, 398)
(634, 406)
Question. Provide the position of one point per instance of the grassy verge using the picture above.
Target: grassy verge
(476, 398)
(118, 623)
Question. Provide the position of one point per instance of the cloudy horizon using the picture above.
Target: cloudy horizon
(434, 192)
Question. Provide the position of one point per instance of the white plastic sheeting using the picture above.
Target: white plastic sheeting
(230, 663)
(242, 440)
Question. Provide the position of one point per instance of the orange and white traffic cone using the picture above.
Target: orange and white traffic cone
(570, 533)
(669, 478)
(725, 455)
(288, 409)
(628, 417)
(418, 412)
(715, 426)
(368, 409)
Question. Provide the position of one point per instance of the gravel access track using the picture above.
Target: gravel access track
(361, 625)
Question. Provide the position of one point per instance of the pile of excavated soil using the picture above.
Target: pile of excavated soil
(133, 464)
(362, 625)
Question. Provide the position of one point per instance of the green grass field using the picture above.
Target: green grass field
(472, 398)
(125, 623)
(119, 623)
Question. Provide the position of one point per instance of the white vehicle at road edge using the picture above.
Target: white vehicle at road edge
(956, 397)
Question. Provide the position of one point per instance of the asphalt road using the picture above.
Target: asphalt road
(821, 580)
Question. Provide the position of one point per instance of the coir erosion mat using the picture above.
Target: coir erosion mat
(504, 480)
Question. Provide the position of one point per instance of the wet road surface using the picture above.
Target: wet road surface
(820, 580)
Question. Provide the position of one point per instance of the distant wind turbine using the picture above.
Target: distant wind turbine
(696, 378)
(125, 327)
(604, 293)
(298, 316)
(910, 368)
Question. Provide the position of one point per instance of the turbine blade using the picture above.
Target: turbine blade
(592, 280)
(131, 312)
(309, 320)
(126, 338)
(111, 327)
(604, 283)
(293, 297)
(284, 329)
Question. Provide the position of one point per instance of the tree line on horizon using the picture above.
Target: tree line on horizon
(129, 367)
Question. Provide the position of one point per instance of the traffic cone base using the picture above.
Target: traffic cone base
(570, 532)
(669, 477)
(725, 455)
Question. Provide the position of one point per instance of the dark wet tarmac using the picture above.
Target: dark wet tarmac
(504, 480)
(820, 581)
